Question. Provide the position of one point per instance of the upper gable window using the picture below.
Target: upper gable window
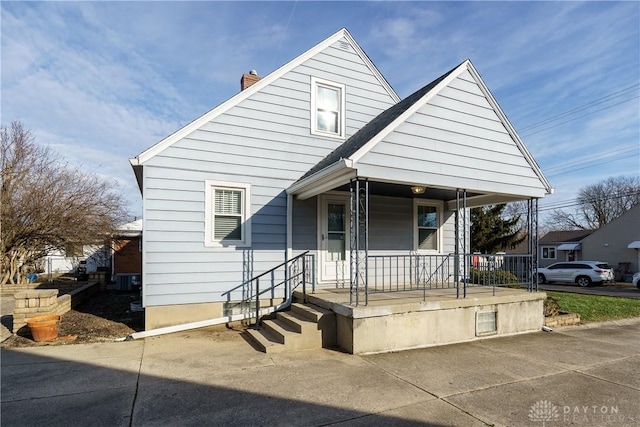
(327, 108)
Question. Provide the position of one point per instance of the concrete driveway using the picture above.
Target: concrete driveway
(588, 375)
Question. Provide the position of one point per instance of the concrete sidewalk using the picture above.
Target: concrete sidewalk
(588, 375)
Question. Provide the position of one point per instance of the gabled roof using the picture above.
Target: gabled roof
(374, 127)
(567, 236)
(346, 156)
(265, 81)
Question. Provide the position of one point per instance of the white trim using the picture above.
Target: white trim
(327, 185)
(320, 175)
(439, 205)
(507, 124)
(342, 122)
(265, 81)
(365, 58)
(323, 200)
(465, 66)
(485, 199)
(289, 226)
(209, 241)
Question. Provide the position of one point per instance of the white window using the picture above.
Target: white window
(548, 252)
(227, 214)
(426, 219)
(327, 108)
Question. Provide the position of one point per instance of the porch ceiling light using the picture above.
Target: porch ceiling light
(417, 189)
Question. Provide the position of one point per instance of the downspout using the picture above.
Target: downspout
(203, 323)
(289, 248)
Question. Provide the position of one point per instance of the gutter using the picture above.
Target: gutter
(329, 170)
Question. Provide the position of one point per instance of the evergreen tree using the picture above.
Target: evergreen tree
(491, 232)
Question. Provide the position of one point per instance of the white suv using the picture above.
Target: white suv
(584, 273)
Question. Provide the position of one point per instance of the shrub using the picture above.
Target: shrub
(495, 277)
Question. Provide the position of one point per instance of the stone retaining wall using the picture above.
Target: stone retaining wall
(39, 302)
(563, 319)
(64, 287)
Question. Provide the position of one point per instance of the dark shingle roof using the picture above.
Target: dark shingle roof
(375, 126)
(565, 236)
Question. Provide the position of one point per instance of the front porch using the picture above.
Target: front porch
(397, 321)
(406, 301)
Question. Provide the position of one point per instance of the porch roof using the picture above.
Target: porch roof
(569, 247)
(346, 162)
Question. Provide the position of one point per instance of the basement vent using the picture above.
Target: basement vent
(486, 323)
(238, 307)
(344, 45)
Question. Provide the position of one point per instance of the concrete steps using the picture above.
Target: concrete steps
(302, 327)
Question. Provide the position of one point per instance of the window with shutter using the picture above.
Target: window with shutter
(227, 214)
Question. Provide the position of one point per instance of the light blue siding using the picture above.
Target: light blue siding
(265, 141)
(456, 140)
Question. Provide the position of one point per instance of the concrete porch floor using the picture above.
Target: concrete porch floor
(403, 320)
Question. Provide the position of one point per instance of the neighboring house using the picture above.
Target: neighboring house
(88, 257)
(617, 243)
(127, 249)
(556, 246)
(123, 255)
(268, 174)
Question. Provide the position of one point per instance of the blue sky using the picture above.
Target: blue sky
(100, 82)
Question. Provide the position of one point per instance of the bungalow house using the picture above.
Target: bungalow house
(564, 245)
(321, 160)
(617, 243)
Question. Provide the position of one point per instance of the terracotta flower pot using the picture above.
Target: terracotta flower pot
(44, 328)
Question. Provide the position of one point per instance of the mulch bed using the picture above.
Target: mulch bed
(104, 317)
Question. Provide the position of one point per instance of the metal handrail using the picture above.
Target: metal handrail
(396, 273)
(262, 274)
(287, 281)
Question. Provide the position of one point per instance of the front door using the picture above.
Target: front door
(334, 239)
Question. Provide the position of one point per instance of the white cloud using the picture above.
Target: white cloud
(103, 82)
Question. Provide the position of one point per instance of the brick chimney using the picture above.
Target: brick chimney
(249, 79)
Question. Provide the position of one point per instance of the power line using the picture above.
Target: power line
(579, 117)
(593, 157)
(577, 201)
(598, 101)
(591, 161)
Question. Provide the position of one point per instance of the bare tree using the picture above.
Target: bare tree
(598, 204)
(46, 205)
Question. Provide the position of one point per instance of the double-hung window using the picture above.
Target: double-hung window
(227, 210)
(427, 226)
(327, 108)
(548, 252)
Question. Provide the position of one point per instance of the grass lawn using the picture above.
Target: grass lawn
(592, 308)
